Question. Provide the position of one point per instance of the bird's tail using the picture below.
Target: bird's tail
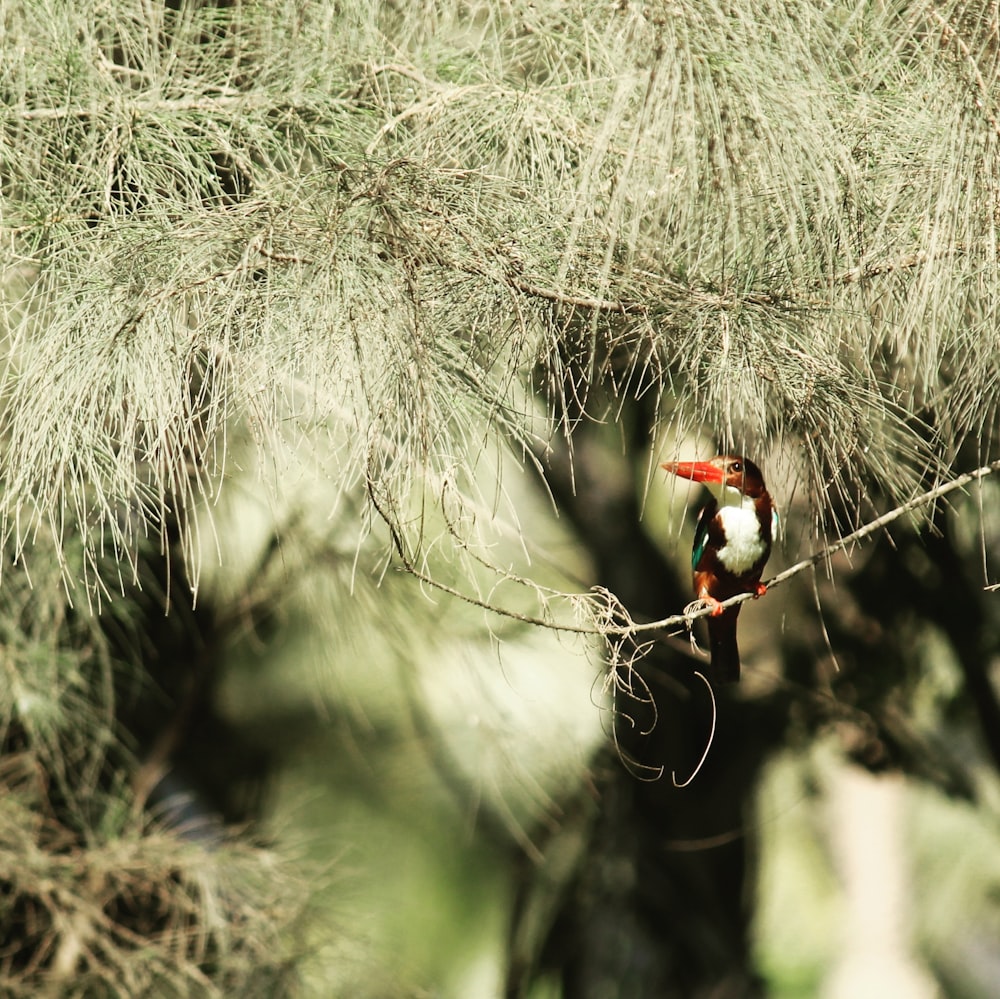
(723, 648)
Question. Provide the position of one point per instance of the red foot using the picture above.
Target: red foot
(761, 590)
(716, 605)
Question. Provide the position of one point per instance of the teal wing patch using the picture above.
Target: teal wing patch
(700, 537)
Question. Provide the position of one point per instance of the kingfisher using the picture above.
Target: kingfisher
(732, 542)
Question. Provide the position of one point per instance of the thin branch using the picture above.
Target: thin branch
(686, 619)
(239, 102)
(583, 302)
(830, 550)
(887, 518)
(864, 272)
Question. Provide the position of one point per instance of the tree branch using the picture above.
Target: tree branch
(579, 301)
(830, 550)
(222, 102)
(615, 609)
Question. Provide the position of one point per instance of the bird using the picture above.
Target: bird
(732, 544)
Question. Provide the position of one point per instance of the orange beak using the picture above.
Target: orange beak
(696, 471)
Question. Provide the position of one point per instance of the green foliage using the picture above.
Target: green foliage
(382, 220)
(136, 914)
(99, 899)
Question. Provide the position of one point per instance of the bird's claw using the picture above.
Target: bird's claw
(759, 591)
(705, 602)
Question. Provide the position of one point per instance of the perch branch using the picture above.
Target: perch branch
(685, 619)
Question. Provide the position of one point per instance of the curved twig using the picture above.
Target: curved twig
(708, 743)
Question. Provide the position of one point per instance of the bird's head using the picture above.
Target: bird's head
(727, 473)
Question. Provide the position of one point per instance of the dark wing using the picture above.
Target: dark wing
(701, 533)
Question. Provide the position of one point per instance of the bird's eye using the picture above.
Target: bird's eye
(736, 466)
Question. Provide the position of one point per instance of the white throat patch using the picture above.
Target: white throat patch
(744, 546)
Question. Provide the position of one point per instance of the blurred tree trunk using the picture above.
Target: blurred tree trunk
(658, 904)
(660, 900)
